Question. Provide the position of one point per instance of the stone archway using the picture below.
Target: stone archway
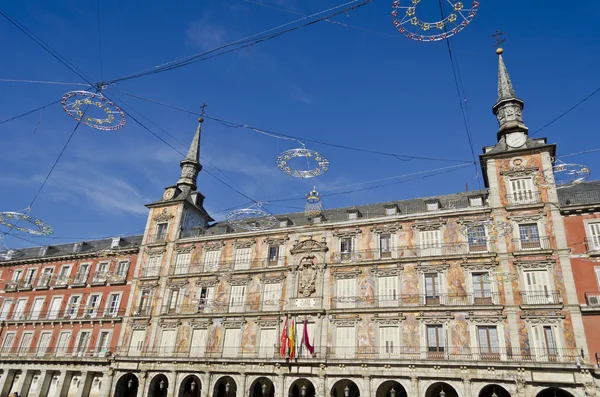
(345, 388)
(554, 392)
(302, 388)
(225, 387)
(494, 391)
(262, 387)
(391, 388)
(190, 386)
(159, 386)
(127, 386)
(441, 389)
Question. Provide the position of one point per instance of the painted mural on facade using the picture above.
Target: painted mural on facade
(366, 336)
(410, 285)
(249, 337)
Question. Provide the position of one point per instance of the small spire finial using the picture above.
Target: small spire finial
(203, 107)
(499, 40)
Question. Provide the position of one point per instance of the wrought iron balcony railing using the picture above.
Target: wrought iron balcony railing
(53, 351)
(592, 299)
(532, 244)
(371, 353)
(150, 271)
(346, 302)
(524, 198)
(157, 238)
(541, 297)
(592, 245)
(70, 313)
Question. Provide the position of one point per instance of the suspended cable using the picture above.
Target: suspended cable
(29, 112)
(232, 124)
(43, 82)
(582, 152)
(99, 40)
(39, 121)
(245, 42)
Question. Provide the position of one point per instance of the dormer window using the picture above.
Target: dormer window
(115, 243)
(77, 247)
(433, 206)
(43, 251)
(391, 209)
(476, 201)
(353, 215)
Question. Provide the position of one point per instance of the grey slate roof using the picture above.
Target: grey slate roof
(582, 194)
(77, 248)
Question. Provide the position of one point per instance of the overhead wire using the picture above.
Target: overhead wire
(99, 40)
(29, 112)
(231, 124)
(43, 82)
(245, 42)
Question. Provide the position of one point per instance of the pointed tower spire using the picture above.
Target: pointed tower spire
(190, 166)
(508, 109)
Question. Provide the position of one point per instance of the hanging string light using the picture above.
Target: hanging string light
(77, 104)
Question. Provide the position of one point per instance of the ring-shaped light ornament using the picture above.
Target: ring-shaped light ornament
(285, 157)
(406, 19)
(253, 218)
(78, 103)
(494, 229)
(6, 253)
(13, 219)
(565, 175)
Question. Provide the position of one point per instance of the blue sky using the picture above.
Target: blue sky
(324, 82)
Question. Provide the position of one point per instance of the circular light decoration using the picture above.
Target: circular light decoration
(494, 229)
(406, 19)
(78, 104)
(285, 157)
(501, 277)
(6, 253)
(565, 175)
(13, 219)
(253, 218)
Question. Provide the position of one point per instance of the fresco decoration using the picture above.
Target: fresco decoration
(183, 339)
(366, 290)
(410, 333)
(249, 337)
(410, 285)
(367, 340)
(221, 297)
(253, 300)
(507, 339)
(461, 338)
(569, 334)
(456, 284)
(215, 336)
(524, 339)
(452, 232)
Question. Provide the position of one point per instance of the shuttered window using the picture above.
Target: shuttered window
(236, 300)
(242, 258)
(137, 342)
(345, 345)
(182, 263)
(168, 340)
(211, 260)
(345, 291)
(431, 242)
(231, 344)
(594, 240)
(198, 344)
(272, 296)
(268, 339)
(522, 191)
(389, 340)
(388, 291)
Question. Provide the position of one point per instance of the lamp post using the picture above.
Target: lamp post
(303, 390)
(130, 383)
(494, 393)
(264, 389)
(346, 391)
(193, 386)
(161, 385)
(392, 392)
(442, 393)
(227, 387)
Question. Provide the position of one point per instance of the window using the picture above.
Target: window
(44, 343)
(597, 271)
(537, 290)
(103, 343)
(488, 342)
(388, 291)
(172, 300)
(73, 306)
(101, 272)
(45, 278)
(182, 263)
(594, 237)
(272, 296)
(231, 344)
(36, 308)
(25, 343)
(236, 301)
(81, 344)
(211, 260)
(121, 270)
(144, 306)
(482, 288)
(93, 303)
(352, 216)
(521, 191)
(385, 246)
(152, 269)
(345, 342)
(301, 350)
(433, 206)
(435, 341)
(546, 342)
(432, 289)
(529, 236)
(54, 307)
(206, 299)
(431, 242)
(198, 343)
(5, 309)
(161, 231)
(390, 211)
(345, 290)
(168, 341)
(29, 277)
(389, 341)
(63, 275)
(82, 274)
(17, 275)
(242, 258)
(8, 341)
(346, 245)
(63, 343)
(476, 201)
(276, 255)
(477, 239)
(268, 341)
(19, 313)
(136, 344)
(112, 307)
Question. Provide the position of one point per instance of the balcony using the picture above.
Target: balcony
(532, 244)
(34, 352)
(43, 282)
(592, 299)
(99, 278)
(221, 265)
(592, 246)
(158, 238)
(448, 300)
(527, 198)
(537, 298)
(11, 286)
(69, 314)
(150, 271)
(80, 280)
(373, 354)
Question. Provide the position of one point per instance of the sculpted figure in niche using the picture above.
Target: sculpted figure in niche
(308, 276)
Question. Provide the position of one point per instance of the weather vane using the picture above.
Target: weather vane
(203, 107)
(498, 37)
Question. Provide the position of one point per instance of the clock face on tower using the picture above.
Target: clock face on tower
(516, 139)
(169, 193)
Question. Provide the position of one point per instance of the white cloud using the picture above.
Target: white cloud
(205, 34)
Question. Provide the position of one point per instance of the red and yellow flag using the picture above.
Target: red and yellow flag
(292, 339)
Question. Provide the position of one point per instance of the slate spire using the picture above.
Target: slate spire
(190, 166)
(508, 109)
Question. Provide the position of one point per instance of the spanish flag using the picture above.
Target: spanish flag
(283, 340)
(292, 339)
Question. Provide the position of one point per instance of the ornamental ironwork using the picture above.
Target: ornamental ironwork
(253, 218)
(80, 105)
(284, 158)
(13, 220)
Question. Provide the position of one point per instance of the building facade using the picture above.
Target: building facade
(471, 294)
(581, 211)
(61, 311)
